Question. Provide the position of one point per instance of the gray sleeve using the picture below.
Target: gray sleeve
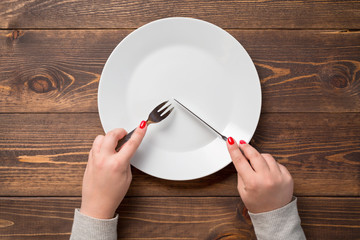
(85, 228)
(279, 224)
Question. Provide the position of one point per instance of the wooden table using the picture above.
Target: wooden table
(307, 54)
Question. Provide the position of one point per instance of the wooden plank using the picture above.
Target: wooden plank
(45, 155)
(43, 75)
(133, 14)
(59, 71)
(175, 218)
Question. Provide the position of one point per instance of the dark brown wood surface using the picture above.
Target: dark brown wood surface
(321, 150)
(169, 218)
(227, 14)
(300, 71)
(307, 54)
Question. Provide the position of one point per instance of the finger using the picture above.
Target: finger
(241, 184)
(96, 146)
(257, 161)
(129, 148)
(240, 162)
(287, 177)
(284, 170)
(271, 162)
(111, 139)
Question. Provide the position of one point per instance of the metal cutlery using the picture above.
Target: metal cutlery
(158, 114)
(218, 133)
(244, 210)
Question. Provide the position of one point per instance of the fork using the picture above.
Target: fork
(155, 116)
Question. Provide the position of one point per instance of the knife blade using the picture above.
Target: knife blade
(218, 133)
(208, 125)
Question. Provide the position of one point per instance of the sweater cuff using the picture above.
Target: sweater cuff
(280, 224)
(86, 227)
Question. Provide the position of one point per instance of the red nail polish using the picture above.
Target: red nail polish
(142, 124)
(230, 140)
(242, 142)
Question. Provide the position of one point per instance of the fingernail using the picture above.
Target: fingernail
(242, 142)
(142, 124)
(230, 140)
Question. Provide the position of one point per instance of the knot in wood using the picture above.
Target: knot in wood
(6, 223)
(242, 214)
(339, 74)
(14, 35)
(41, 84)
(339, 81)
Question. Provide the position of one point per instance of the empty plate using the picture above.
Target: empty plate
(202, 66)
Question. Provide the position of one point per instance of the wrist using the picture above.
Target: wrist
(265, 209)
(97, 213)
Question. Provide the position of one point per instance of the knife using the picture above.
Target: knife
(218, 133)
(244, 210)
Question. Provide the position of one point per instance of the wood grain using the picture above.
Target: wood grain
(45, 155)
(59, 71)
(133, 14)
(169, 218)
(307, 54)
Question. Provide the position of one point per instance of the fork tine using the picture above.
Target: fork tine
(155, 116)
(160, 106)
(164, 109)
(167, 113)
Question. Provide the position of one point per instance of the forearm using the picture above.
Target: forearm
(279, 224)
(85, 227)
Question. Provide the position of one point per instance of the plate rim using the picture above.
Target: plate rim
(126, 38)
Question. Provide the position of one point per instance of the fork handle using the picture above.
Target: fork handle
(124, 140)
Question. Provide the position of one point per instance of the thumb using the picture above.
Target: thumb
(130, 147)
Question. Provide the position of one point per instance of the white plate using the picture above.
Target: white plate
(202, 66)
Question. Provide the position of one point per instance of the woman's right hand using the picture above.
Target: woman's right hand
(264, 185)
